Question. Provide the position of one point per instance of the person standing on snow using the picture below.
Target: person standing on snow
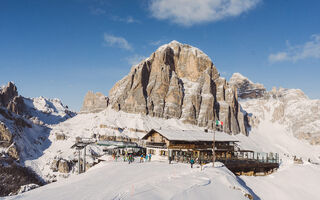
(191, 162)
(141, 158)
(149, 157)
(130, 158)
(146, 157)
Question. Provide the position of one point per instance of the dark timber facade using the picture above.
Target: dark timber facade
(181, 146)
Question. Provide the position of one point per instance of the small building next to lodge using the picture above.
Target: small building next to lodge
(181, 145)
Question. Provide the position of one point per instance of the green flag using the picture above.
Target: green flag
(217, 122)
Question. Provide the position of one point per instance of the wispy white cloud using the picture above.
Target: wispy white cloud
(128, 19)
(293, 53)
(115, 41)
(100, 11)
(97, 11)
(158, 42)
(190, 12)
(135, 59)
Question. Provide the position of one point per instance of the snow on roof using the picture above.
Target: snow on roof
(192, 135)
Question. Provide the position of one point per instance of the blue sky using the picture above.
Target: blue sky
(63, 48)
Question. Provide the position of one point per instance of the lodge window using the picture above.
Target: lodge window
(164, 153)
(151, 151)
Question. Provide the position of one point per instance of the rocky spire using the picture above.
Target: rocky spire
(9, 98)
(7, 93)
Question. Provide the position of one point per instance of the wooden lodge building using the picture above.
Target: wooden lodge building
(181, 145)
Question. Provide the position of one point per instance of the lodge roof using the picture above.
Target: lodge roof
(192, 135)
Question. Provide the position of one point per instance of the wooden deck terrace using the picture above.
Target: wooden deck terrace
(249, 166)
(251, 163)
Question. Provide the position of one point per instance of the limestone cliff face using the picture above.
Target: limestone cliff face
(179, 81)
(94, 102)
(246, 88)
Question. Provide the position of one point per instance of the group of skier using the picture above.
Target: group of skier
(130, 157)
(146, 157)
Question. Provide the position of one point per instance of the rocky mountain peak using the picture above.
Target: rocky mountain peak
(7, 93)
(9, 98)
(186, 61)
(179, 81)
(94, 102)
(246, 88)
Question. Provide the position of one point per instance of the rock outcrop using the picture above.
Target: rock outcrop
(9, 98)
(94, 102)
(179, 81)
(246, 88)
(7, 93)
(63, 166)
(5, 136)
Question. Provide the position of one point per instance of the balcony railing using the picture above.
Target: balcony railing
(156, 144)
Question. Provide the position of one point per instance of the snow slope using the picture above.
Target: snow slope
(152, 180)
(279, 121)
(294, 182)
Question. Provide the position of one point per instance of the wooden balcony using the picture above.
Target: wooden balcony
(156, 144)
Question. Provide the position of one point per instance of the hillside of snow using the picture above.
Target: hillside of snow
(159, 180)
(151, 180)
(291, 181)
(290, 108)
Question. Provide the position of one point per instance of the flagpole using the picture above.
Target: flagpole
(213, 148)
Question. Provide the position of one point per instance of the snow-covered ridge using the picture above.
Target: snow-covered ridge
(174, 44)
(25, 125)
(288, 107)
(49, 111)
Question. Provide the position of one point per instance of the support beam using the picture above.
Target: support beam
(84, 159)
(79, 166)
(213, 148)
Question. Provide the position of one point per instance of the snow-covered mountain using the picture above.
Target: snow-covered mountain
(175, 83)
(266, 134)
(288, 107)
(47, 111)
(25, 125)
